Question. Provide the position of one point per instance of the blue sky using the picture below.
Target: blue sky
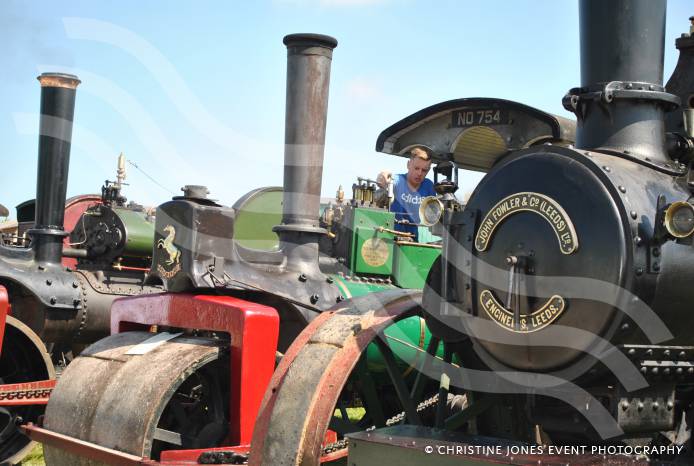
(193, 92)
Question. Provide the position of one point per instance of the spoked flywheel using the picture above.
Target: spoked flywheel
(142, 401)
(327, 381)
(23, 359)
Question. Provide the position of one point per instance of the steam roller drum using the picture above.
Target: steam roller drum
(24, 359)
(174, 396)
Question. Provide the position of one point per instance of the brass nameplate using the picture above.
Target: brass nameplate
(542, 205)
(528, 323)
(375, 252)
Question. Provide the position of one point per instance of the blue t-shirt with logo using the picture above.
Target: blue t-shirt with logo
(406, 202)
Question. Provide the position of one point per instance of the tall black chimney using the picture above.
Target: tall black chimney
(309, 57)
(621, 102)
(55, 133)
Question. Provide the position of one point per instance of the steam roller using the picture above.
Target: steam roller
(140, 396)
(275, 343)
(69, 260)
(23, 359)
(184, 373)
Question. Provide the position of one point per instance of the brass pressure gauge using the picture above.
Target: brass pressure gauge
(679, 219)
(430, 211)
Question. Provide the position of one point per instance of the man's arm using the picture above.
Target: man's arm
(384, 178)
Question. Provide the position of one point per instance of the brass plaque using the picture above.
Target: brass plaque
(374, 251)
(533, 322)
(542, 205)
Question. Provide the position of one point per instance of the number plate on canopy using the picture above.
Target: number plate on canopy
(479, 117)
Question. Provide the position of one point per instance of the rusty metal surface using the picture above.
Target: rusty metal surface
(301, 398)
(90, 451)
(115, 400)
(468, 449)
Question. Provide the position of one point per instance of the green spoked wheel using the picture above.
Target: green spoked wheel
(323, 384)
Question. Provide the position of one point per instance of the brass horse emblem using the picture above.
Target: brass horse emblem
(167, 245)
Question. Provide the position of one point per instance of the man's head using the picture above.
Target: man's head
(418, 166)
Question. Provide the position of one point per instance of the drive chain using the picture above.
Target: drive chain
(342, 444)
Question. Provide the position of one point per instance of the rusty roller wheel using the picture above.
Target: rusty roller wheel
(24, 359)
(174, 396)
(325, 371)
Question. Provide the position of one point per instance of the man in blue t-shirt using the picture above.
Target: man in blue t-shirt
(409, 189)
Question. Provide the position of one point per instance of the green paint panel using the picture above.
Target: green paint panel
(376, 256)
(408, 338)
(412, 264)
(255, 219)
(140, 232)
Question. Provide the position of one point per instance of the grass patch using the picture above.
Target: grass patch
(35, 457)
(354, 414)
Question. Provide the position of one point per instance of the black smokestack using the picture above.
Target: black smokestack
(309, 57)
(55, 133)
(621, 102)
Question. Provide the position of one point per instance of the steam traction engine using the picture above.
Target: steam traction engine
(186, 370)
(562, 296)
(58, 289)
(195, 362)
(515, 350)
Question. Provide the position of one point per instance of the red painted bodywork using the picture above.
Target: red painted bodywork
(18, 399)
(82, 448)
(74, 208)
(254, 330)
